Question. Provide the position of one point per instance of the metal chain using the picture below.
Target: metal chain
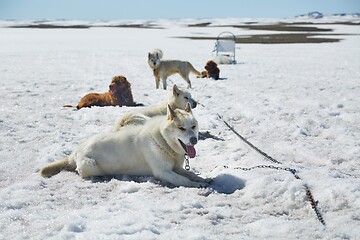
(314, 204)
(249, 143)
(291, 170)
(187, 165)
(306, 187)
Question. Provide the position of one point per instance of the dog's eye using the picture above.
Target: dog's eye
(193, 127)
(182, 129)
(186, 98)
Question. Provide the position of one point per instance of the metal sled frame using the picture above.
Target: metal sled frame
(225, 46)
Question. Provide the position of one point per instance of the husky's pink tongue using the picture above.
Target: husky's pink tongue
(190, 150)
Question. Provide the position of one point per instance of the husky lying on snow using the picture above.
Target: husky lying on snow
(162, 69)
(156, 148)
(178, 99)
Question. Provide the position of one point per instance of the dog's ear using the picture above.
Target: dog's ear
(125, 81)
(149, 55)
(188, 108)
(157, 55)
(170, 113)
(176, 90)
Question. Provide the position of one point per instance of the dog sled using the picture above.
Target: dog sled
(225, 48)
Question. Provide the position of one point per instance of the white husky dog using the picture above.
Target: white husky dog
(177, 100)
(156, 148)
(162, 69)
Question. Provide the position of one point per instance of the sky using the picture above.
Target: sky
(168, 9)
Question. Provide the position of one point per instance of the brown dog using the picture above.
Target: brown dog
(119, 94)
(212, 71)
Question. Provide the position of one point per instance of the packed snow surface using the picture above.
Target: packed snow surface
(299, 103)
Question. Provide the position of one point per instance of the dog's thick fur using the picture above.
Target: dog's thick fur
(177, 100)
(156, 149)
(119, 94)
(211, 70)
(162, 69)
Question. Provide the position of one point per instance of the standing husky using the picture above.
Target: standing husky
(156, 148)
(164, 68)
(178, 99)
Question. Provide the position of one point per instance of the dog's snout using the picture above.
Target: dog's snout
(194, 104)
(193, 140)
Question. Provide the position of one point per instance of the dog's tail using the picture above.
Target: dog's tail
(68, 106)
(203, 74)
(71, 106)
(196, 72)
(135, 104)
(158, 53)
(56, 167)
(130, 119)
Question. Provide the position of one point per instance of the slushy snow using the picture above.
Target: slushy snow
(297, 102)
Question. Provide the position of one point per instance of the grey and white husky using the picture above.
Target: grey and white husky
(162, 69)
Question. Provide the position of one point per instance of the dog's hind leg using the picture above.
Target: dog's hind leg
(185, 76)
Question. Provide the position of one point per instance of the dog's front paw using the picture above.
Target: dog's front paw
(208, 180)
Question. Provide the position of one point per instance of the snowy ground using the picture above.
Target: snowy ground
(297, 102)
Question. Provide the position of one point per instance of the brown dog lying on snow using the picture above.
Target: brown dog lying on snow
(212, 71)
(119, 94)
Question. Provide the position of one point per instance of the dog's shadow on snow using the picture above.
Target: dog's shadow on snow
(122, 177)
(224, 183)
(227, 184)
(219, 79)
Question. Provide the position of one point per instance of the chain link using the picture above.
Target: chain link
(187, 165)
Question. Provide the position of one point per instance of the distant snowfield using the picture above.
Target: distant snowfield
(297, 102)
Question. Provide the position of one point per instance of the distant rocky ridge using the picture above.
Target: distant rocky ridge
(318, 15)
(309, 18)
